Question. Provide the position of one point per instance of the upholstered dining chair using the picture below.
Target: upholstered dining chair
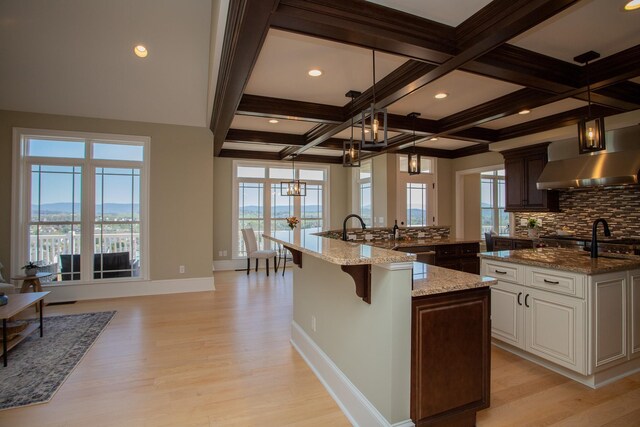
(251, 246)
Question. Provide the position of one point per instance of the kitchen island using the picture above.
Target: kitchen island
(576, 315)
(395, 343)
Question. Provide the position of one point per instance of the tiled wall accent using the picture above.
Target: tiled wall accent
(433, 232)
(620, 206)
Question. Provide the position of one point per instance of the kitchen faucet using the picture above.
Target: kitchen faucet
(594, 235)
(344, 225)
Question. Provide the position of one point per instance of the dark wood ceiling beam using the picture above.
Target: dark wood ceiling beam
(368, 25)
(567, 118)
(246, 28)
(267, 155)
(276, 138)
(428, 152)
(524, 14)
(615, 68)
(264, 106)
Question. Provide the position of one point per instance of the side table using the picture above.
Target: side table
(31, 281)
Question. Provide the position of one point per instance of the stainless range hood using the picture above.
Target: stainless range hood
(619, 164)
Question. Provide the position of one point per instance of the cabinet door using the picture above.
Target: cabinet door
(502, 244)
(514, 182)
(507, 322)
(534, 198)
(555, 328)
(610, 318)
(470, 265)
(634, 311)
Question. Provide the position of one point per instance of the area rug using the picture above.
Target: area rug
(39, 366)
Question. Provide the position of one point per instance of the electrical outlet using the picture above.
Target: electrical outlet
(420, 234)
(540, 222)
(523, 222)
(181, 269)
(219, 253)
(313, 323)
(224, 253)
(368, 237)
(381, 220)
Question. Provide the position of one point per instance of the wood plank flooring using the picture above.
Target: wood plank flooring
(223, 358)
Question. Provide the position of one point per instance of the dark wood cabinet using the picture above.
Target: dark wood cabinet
(450, 357)
(456, 256)
(522, 167)
(510, 243)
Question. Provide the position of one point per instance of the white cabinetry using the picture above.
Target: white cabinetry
(587, 324)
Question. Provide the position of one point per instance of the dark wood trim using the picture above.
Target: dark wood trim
(247, 26)
(567, 118)
(264, 106)
(268, 155)
(470, 151)
(361, 275)
(276, 138)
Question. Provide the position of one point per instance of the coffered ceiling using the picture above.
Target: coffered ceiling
(493, 59)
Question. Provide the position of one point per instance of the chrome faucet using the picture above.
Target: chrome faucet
(344, 225)
(594, 235)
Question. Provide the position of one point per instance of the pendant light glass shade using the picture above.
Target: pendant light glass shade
(413, 164)
(295, 187)
(374, 120)
(591, 133)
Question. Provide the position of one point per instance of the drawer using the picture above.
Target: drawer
(470, 248)
(447, 250)
(561, 282)
(503, 271)
(502, 244)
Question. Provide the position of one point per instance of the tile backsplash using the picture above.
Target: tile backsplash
(620, 206)
(382, 233)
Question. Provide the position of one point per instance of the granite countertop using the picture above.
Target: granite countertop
(345, 253)
(430, 280)
(395, 244)
(567, 260)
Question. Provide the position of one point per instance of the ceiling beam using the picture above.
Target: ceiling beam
(247, 27)
(567, 118)
(275, 138)
(268, 155)
(264, 106)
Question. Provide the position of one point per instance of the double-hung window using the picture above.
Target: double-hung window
(80, 205)
(492, 200)
(259, 202)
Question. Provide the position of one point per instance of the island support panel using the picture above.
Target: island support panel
(450, 357)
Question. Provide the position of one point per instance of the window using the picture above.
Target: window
(416, 204)
(492, 203)
(80, 204)
(365, 193)
(259, 204)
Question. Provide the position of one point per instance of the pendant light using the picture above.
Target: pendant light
(413, 164)
(590, 130)
(295, 187)
(351, 148)
(374, 120)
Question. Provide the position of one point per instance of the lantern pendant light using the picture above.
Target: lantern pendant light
(351, 148)
(591, 132)
(295, 187)
(374, 120)
(413, 164)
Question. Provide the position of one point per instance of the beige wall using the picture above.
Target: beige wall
(472, 223)
(223, 209)
(445, 186)
(180, 227)
(381, 192)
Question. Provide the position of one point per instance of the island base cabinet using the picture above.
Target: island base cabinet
(634, 315)
(507, 322)
(555, 329)
(450, 362)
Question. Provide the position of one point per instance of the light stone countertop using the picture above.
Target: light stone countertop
(395, 244)
(345, 253)
(431, 280)
(567, 260)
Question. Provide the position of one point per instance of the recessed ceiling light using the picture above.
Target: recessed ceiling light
(315, 72)
(140, 51)
(632, 5)
(273, 121)
(434, 139)
(525, 111)
(441, 95)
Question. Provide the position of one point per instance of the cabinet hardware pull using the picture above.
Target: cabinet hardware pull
(551, 281)
(519, 296)
(500, 272)
(526, 298)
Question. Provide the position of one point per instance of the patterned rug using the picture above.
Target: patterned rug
(39, 366)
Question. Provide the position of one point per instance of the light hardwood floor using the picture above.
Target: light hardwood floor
(223, 358)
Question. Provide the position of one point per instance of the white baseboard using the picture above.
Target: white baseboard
(127, 289)
(357, 408)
